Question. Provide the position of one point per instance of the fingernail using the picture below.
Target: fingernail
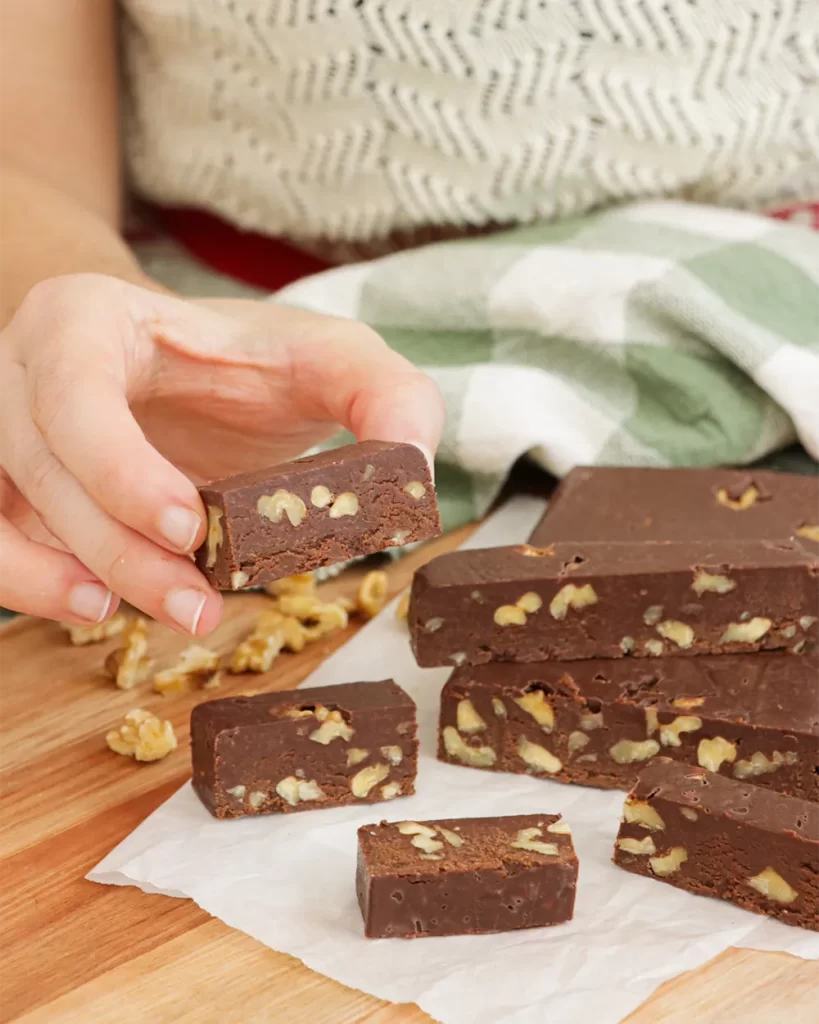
(179, 527)
(428, 456)
(185, 607)
(90, 601)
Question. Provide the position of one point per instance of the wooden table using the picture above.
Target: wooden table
(75, 951)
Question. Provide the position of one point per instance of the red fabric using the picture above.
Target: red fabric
(244, 255)
(271, 264)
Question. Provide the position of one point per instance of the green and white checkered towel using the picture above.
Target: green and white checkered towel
(657, 334)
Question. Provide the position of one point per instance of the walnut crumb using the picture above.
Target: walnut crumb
(79, 636)
(142, 736)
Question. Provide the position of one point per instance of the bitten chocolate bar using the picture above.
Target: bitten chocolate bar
(465, 876)
(316, 511)
(630, 504)
(301, 750)
(752, 717)
(599, 600)
(718, 837)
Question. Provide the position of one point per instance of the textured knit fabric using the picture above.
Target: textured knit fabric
(658, 334)
(357, 119)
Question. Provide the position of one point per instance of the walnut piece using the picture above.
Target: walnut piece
(758, 764)
(806, 622)
(295, 790)
(527, 839)
(372, 594)
(706, 583)
(301, 583)
(256, 799)
(402, 608)
(678, 632)
(654, 647)
(669, 862)
(130, 665)
(423, 838)
(639, 847)
(771, 884)
(670, 732)
(688, 812)
(393, 753)
(363, 781)
(258, 652)
(415, 828)
(629, 751)
(346, 504)
(399, 538)
(391, 790)
(577, 740)
(591, 720)
(510, 615)
(571, 596)
(652, 722)
(451, 837)
(332, 727)
(282, 503)
(535, 704)
(355, 755)
(746, 632)
(653, 614)
(415, 489)
(811, 532)
(532, 552)
(530, 602)
(748, 498)
(433, 625)
(477, 757)
(215, 536)
(640, 812)
(195, 666)
(142, 736)
(79, 636)
(687, 703)
(238, 579)
(499, 707)
(538, 757)
(467, 718)
(627, 644)
(560, 828)
(712, 754)
(320, 496)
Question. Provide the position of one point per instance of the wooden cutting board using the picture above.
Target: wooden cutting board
(73, 951)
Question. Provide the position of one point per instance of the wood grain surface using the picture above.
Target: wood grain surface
(73, 951)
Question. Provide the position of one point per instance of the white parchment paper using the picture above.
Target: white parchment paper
(289, 880)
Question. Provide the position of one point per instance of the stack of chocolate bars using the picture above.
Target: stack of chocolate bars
(658, 631)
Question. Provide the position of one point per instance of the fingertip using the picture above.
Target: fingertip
(181, 528)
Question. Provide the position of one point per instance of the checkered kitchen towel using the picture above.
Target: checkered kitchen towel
(658, 334)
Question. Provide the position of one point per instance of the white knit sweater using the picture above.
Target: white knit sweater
(356, 119)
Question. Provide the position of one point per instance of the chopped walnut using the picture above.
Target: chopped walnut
(477, 757)
(653, 614)
(363, 781)
(749, 497)
(713, 753)
(811, 532)
(346, 504)
(451, 837)
(393, 753)
(687, 703)
(640, 812)
(391, 790)
(142, 736)
(467, 718)
(332, 727)
(771, 884)
(629, 751)
(577, 740)
(301, 583)
(746, 632)
(258, 652)
(706, 583)
(670, 732)
(538, 757)
(295, 790)
(571, 596)
(669, 862)
(196, 665)
(530, 602)
(591, 720)
(499, 707)
(355, 755)
(627, 644)
(79, 636)
(415, 489)
(130, 665)
(639, 847)
(535, 704)
(654, 647)
(652, 722)
(759, 764)
(372, 594)
(282, 503)
(678, 632)
(238, 579)
(527, 839)
(532, 552)
(321, 496)
(215, 537)
(560, 828)
(510, 615)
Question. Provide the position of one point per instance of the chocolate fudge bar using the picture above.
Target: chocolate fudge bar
(599, 600)
(722, 838)
(605, 504)
(303, 750)
(316, 511)
(465, 876)
(753, 717)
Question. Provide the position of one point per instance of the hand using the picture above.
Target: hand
(116, 398)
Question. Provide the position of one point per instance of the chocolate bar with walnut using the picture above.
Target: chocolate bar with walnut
(608, 600)
(643, 504)
(753, 717)
(723, 838)
(316, 511)
(465, 876)
(301, 750)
